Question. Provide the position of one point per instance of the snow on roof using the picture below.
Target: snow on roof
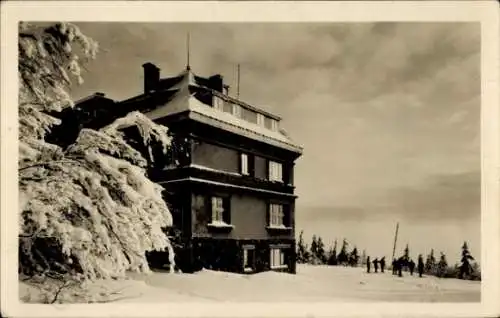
(183, 100)
(188, 78)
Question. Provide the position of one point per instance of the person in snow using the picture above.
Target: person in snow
(411, 265)
(420, 265)
(399, 264)
(382, 264)
(375, 264)
(368, 264)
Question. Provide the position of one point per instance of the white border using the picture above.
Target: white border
(485, 12)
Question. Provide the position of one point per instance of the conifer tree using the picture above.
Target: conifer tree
(442, 265)
(302, 250)
(314, 248)
(406, 257)
(332, 260)
(320, 251)
(354, 257)
(476, 271)
(406, 254)
(343, 257)
(430, 263)
(465, 265)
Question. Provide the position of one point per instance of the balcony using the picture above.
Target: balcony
(222, 177)
(244, 111)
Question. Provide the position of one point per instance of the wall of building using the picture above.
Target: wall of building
(215, 157)
(248, 217)
(228, 160)
(227, 255)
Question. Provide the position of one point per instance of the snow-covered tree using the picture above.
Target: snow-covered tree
(314, 247)
(442, 266)
(354, 257)
(476, 271)
(363, 257)
(465, 264)
(88, 211)
(406, 253)
(430, 263)
(343, 257)
(332, 258)
(320, 251)
(302, 250)
(49, 61)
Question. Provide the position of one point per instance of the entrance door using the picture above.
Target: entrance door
(248, 258)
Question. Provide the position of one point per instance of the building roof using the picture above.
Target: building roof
(182, 99)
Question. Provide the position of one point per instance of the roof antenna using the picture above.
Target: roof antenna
(238, 83)
(188, 67)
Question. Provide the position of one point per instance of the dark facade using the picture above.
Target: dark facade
(231, 192)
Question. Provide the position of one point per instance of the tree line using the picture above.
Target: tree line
(318, 254)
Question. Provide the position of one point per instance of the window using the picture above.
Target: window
(244, 164)
(249, 115)
(236, 110)
(276, 215)
(217, 210)
(260, 120)
(277, 259)
(220, 213)
(218, 103)
(275, 171)
(248, 258)
(274, 125)
(228, 107)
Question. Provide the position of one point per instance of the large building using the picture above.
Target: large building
(232, 191)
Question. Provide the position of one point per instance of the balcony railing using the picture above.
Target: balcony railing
(244, 111)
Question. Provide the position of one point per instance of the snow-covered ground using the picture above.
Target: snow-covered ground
(311, 283)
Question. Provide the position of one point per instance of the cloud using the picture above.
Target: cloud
(388, 114)
(377, 106)
(442, 197)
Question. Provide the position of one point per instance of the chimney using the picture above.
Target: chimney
(151, 77)
(216, 82)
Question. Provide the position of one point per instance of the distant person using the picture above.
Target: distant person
(394, 267)
(375, 265)
(411, 265)
(382, 264)
(399, 263)
(368, 264)
(420, 265)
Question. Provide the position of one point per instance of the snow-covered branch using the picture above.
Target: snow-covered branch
(89, 209)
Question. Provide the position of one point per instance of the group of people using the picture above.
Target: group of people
(397, 265)
(376, 262)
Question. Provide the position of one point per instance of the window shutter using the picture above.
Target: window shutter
(286, 174)
(240, 162)
(251, 165)
(226, 203)
(290, 173)
(287, 220)
(268, 213)
(210, 204)
(268, 162)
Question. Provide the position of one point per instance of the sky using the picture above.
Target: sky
(388, 115)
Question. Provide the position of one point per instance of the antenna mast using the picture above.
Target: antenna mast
(238, 83)
(395, 240)
(188, 66)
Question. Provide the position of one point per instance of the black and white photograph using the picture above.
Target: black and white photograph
(233, 162)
